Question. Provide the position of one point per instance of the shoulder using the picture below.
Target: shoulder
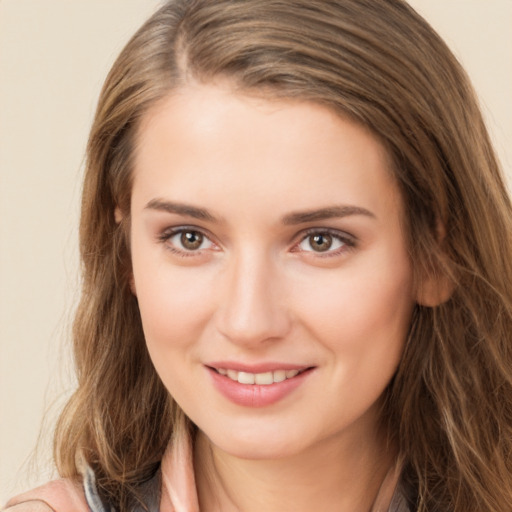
(62, 495)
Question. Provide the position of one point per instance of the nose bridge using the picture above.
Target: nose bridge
(250, 310)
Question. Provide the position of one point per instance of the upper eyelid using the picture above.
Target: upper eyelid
(165, 235)
(349, 243)
(170, 231)
(346, 237)
(342, 235)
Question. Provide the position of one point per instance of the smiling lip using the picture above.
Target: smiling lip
(288, 377)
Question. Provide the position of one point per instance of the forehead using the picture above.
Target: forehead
(207, 142)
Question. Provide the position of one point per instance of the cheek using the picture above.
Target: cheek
(173, 311)
(174, 301)
(362, 311)
(363, 324)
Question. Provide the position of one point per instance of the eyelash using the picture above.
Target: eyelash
(348, 241)
(166, 235)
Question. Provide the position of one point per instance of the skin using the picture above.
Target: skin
(258, 289)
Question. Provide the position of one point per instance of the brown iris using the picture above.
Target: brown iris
(321, 242)
(191, 240)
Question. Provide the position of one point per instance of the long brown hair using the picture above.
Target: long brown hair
(377, 62)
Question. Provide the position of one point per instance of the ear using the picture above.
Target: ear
(434, 289)
(436, 284)
(118, 216)
(131, 282)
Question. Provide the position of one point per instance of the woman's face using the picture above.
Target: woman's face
(270, 268)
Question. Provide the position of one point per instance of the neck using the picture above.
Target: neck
(333, 475)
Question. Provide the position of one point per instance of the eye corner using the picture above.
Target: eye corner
(338, 243)
(174, 239)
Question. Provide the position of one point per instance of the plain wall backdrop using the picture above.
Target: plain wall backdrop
(54, 56)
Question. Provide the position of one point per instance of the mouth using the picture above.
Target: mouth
(261, 379)
(267, 383)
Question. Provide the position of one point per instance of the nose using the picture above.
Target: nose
(252, 306)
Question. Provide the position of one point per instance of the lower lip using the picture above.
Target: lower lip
(255, 395)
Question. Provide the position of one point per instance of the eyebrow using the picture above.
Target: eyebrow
(180, 209)
(324, 214)
(288, 220)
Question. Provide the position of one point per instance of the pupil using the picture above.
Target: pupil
(321, 243)
(191, 240)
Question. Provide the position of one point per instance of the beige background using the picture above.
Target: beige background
(54, 55)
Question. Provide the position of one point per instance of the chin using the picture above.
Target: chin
(258, 451)
(260, 444)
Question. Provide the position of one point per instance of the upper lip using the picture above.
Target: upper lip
(258, 367)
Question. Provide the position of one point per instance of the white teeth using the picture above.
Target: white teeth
(246, 378)
(279, 376)
(263, 379)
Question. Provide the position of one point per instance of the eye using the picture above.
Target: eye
(327, 242)
(191, 240)
(186, 240)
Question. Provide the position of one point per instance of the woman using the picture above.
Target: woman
(296, 248)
